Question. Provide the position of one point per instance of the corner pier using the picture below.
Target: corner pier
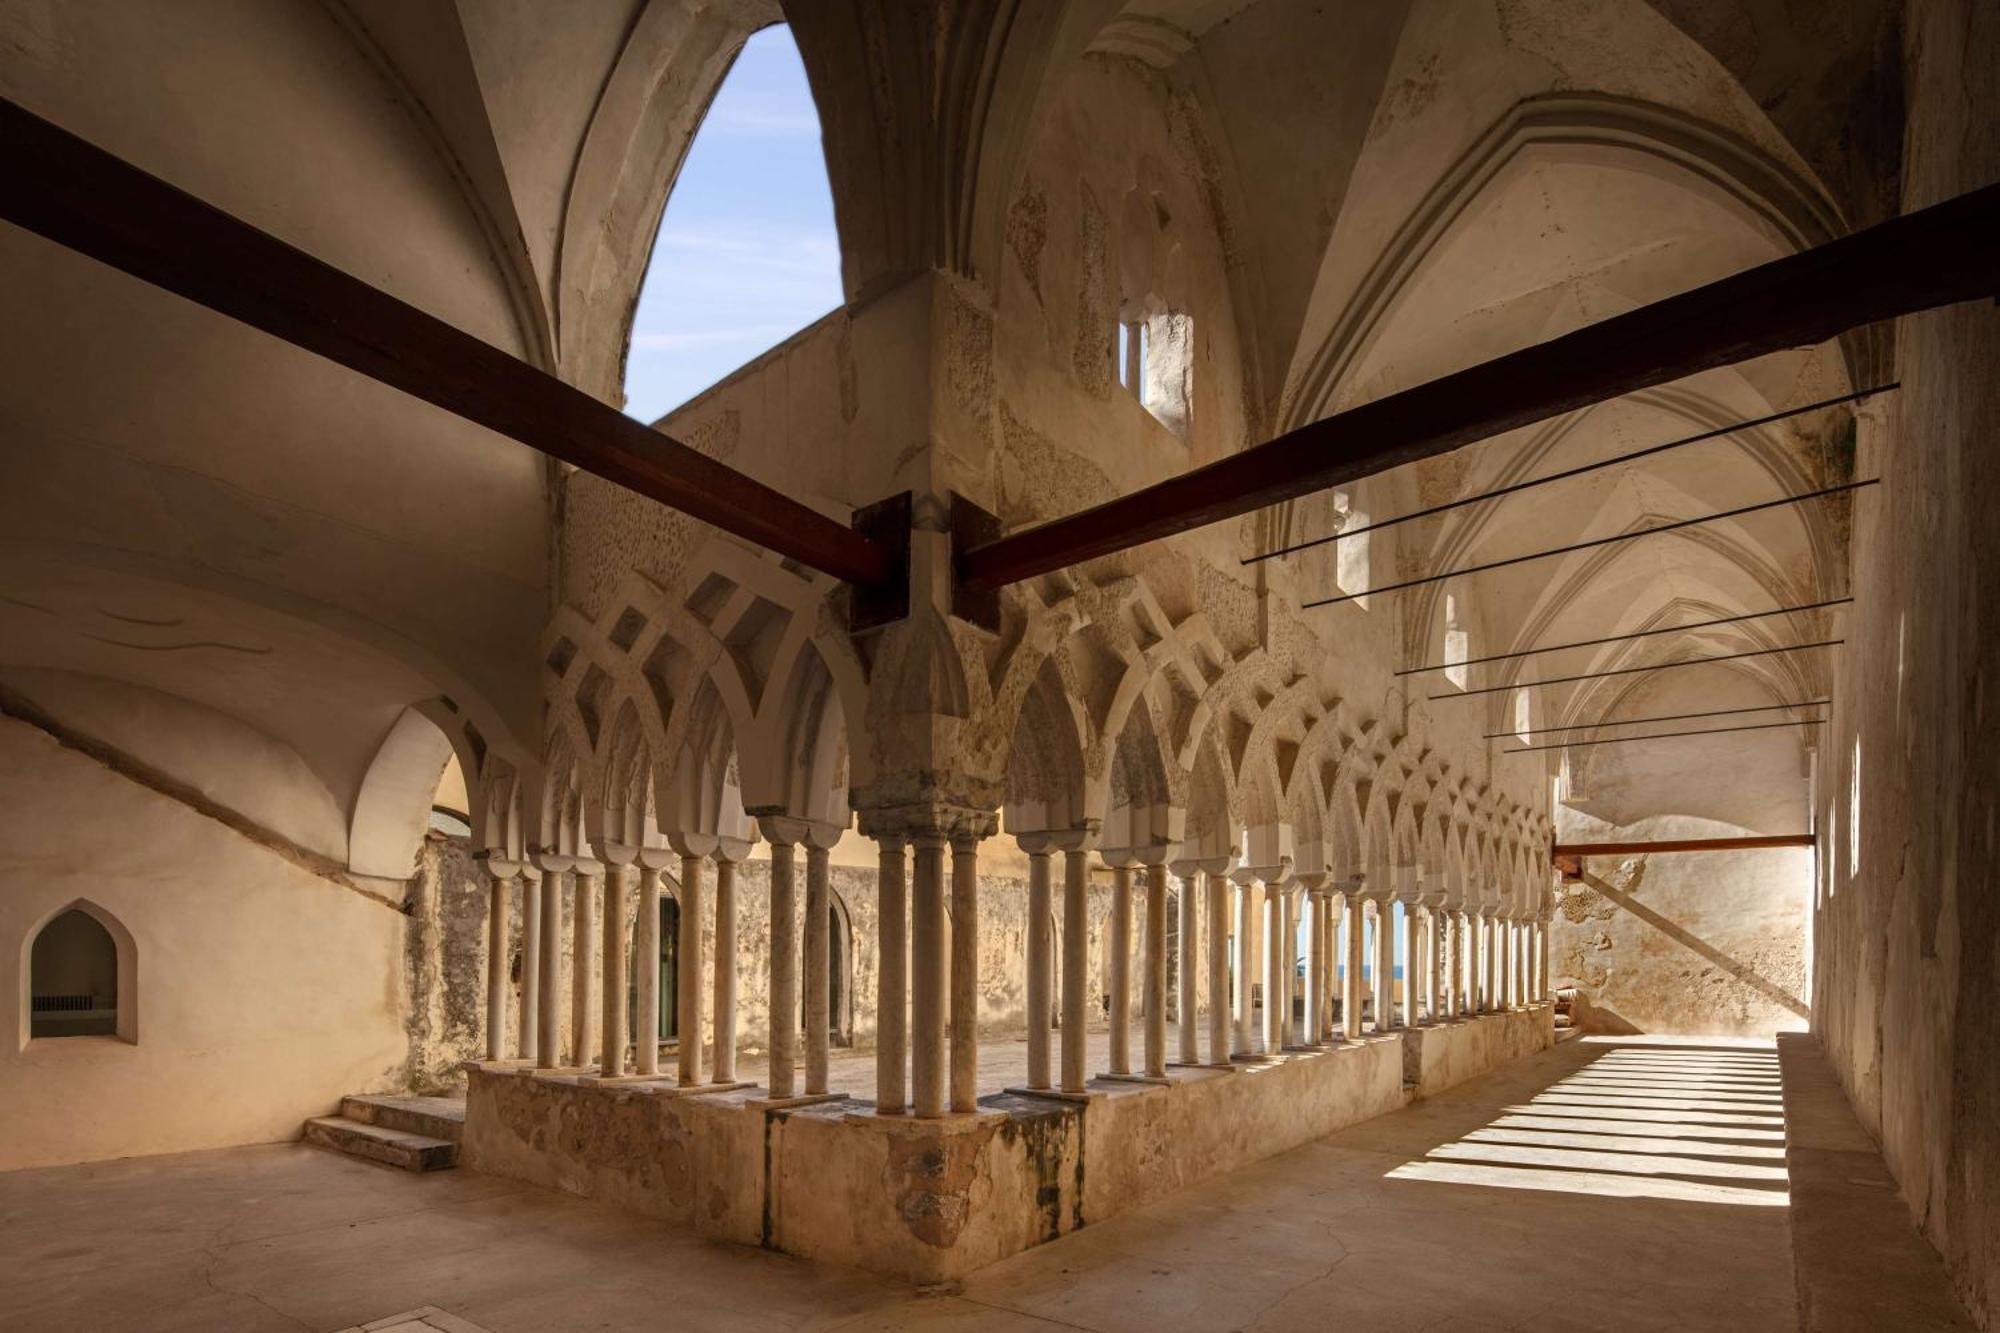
(929, 1200)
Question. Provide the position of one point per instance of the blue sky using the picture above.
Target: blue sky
(747, 254)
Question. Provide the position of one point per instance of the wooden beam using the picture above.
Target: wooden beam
(1680, 845)
(1933, 257)
(71, 192)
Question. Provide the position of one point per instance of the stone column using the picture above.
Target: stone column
(528, 1026)
(548, 1003)
(1076, 959)
(1548, 976)
(1275, 966)
(726, 858)
(1118, 969)
(1461, 962)
(1041, 960)
(927, 976)
(583, 963)
(1413, 957)
(784, 989)
(1187, 1028)
(611, 1051)
(1351, 991)
(964, 973)
(1156, 969)
(646, 958)
(501, 888)
(892, 1016)
(1246, 921)
(1216, 881)
(1315, 909)
(1489, 959)
(818, 966)
(688, 978)
(1385, 963)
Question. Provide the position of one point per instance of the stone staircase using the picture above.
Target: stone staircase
(414, 1133)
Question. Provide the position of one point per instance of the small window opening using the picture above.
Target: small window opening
(1457, 644)
(1351, 554)
(1522, 718)
(1854, 812)
(1154, 345)
(73, 985)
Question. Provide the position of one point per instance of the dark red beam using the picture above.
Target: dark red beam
(71, 192)
(1933, 257)
(1681, 845)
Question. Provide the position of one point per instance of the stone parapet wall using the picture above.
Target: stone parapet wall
(932, 1200)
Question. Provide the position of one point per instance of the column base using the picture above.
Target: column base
(1159, 1080)
(783, 1103)
(1056, 1095)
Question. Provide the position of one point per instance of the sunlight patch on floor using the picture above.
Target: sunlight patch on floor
(1644, 1120)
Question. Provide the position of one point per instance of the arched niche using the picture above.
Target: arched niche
(62, 961)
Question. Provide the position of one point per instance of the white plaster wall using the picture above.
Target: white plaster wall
(264, 992)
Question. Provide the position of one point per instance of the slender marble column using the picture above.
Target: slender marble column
(1413, 960)
(1461, 962)
(583, 963)
(818, 967)
(548, 1004)
(611, 1052)
(1547, 979)
(1246, 921)
(1315, 910)
(927, 976)
(646, 958)
(500, 888)
(688, 971)
(1276, 965)
(965, 974)
(1076, 963)
(1385, 964)
(1040, 966)
(1218, 967)
(784, 1008)
(527, 1026)
(725, 969)
(1156, 970)
(1118, 969)
(892, 1048)
(1351, 991)
(1187, 1026)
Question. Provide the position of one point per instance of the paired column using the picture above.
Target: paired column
(583, 963)
(1187, 1026)
(1076, 959)
(1118, 969)
(1351, 992)
(1156, 969)
(927, 976)
(528, 1025)
(818, 966)
(548, 999)
(688, 997)
(726, 859)
(1246, 922)
(1385, 963)
(501, 887)
(892, 1048)
(1041, 960)
(1216, 882)
(1314, 904)
(611, 1054)
(646, 954)
(964, 973)
(1413, 956)
(784, 1007)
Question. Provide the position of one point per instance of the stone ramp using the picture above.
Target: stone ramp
(413, 1133)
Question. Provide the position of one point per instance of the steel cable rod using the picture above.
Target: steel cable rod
(1716, 434)
(1667, 735)
(1620, 638)
(1663, 717)
(1633, 671)
(1598, 541)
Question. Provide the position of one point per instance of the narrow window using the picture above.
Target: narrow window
(1521, 716)
(1351, 563)
(73, 986)
(1457, 644)
(1854, 812)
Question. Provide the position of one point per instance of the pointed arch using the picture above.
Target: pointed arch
(124, 977)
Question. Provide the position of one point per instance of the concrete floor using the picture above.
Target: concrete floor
(1511, 1230)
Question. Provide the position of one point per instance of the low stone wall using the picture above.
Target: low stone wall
(932, 1200)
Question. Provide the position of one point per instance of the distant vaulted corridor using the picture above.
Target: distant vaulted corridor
(998, 664)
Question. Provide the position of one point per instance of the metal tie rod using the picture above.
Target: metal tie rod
(1667, 736)
(1633, 671)
(1599, 541)
(1716, 434)
(1620, 638)
(1662, 717)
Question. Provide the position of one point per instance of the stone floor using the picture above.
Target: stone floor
(1596, 1186)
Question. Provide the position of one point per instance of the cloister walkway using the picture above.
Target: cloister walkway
(1594, 1186)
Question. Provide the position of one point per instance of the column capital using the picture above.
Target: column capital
(928, 819)
(616, 853)
(790, 830)
(733, 851)
(1270, 875)
(552, 863)
(1314, 882)
(499, 867)
(1189, 867)
(692, 844)
(587, 868)
(1151, 854)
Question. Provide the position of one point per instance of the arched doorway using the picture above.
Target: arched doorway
(840, 963)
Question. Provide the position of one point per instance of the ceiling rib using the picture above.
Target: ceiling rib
(1622, 638)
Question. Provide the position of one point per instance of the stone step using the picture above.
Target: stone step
(433, 1117)
(376, 1143)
